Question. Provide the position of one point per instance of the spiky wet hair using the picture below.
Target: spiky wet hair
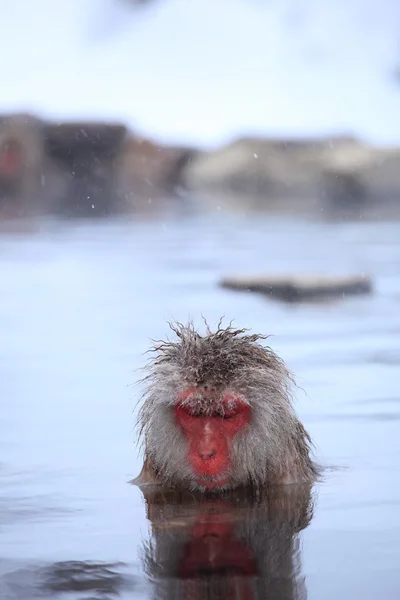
(228, 359)
(216, 358)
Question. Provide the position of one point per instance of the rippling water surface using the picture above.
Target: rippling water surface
(78, 304)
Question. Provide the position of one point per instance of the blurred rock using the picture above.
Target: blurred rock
(98, 169)
(266, 166)
(21, 160)
(312, 174)
(62, 168)
(148, 172)
(85, 153)
(300, 288)
(83, 169)
(360, 178)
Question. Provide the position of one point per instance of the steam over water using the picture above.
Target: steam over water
(78, 304)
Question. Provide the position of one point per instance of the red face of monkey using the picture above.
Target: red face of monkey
(210, 432)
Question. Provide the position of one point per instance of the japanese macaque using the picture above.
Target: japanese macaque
(218, 414)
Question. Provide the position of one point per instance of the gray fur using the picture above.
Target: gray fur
(274, 443)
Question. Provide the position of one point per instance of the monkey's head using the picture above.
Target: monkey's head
(217, 412)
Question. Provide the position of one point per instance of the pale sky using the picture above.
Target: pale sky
(205, 71)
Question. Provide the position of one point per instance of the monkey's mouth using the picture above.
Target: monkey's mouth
(212, 481)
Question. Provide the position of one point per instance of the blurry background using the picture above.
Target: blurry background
(148, 151)
(109, 104)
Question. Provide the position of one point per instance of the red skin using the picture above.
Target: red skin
(210, 436)
(213, 548)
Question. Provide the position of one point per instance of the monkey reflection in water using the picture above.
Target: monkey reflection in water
(227, 472)
(239, 544)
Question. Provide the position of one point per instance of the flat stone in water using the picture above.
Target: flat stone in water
(300, 288)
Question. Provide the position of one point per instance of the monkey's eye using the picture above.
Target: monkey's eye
(226, 413)
(230, 414)
(192, 411)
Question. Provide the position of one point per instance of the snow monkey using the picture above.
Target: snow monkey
(218, 415)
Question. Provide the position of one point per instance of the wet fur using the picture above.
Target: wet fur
(273, 448)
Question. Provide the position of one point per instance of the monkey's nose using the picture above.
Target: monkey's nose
(207, 454)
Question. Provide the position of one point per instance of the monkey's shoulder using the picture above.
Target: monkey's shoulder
(147, 475)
